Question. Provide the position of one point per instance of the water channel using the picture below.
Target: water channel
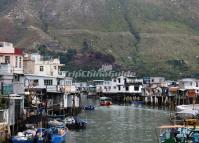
(120, 124)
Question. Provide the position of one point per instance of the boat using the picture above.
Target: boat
(55, 123)
(137, 102)
(178, 134)
(29, 136)
(75, 123)
(182, 115)
(89, 107)
(56, 134)
(186, 107)
(105, 101)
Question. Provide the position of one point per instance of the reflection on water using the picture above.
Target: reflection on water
(119, 124)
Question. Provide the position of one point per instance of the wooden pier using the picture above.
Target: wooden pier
(148, 100)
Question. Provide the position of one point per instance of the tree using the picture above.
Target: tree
(42, 49)
(86, 46)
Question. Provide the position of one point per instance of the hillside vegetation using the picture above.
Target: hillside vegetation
(151, 37)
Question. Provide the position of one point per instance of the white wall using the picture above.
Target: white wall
(6, 47)
(187, 84)
(114, 85)
(157, 79)
(30, 78)
(132, 89)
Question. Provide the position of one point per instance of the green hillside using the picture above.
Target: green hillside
(151, 37)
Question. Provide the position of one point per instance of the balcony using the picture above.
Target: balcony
(61, 74)
(5, 69)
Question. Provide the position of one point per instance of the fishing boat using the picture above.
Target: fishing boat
(55, 123)
(56, 134)
(89, 107)
(105, 101)
(178, 134)
(182, 115)
(75, 123)
(29, 136)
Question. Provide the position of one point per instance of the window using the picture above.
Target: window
(41, 68)
(114, 87)
(35, 82)
(7, 59)
(127, 88)
(20, 62)
(136, 88)
(16, 62)
(55, 67)
(58, 82)
(1, 44)
(48, 82)
(119, 80)
(125, 80)
(16, 78)
(119, 88)
(114, 80)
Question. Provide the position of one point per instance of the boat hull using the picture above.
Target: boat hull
(89, 107)
(76, 126)
(105, 103)
(58, 138)
(14, 140)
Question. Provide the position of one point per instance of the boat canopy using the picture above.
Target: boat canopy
(189, 111)
(170, 126)
(105, 99)
(185, 107)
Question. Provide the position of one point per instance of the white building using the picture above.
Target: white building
(156, 80)
(36, 64)
(11, 56)
(41, 73)
(189, 84)
(121, 85)
(11, 82)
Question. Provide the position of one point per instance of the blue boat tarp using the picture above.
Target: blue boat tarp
(89, 107)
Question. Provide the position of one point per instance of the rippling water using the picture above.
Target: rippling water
(120, 124)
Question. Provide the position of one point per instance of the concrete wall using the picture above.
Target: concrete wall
(6, 47)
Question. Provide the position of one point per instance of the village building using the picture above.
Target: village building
(189, 87)
(44, 75)
(11, 56)
(121, 84)
(11, 84)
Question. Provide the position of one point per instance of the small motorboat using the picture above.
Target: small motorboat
(137, 102)
(55, 122)
(89, 107)
(56, 134)
(75, 123)
(29, 136)
(105, 101)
